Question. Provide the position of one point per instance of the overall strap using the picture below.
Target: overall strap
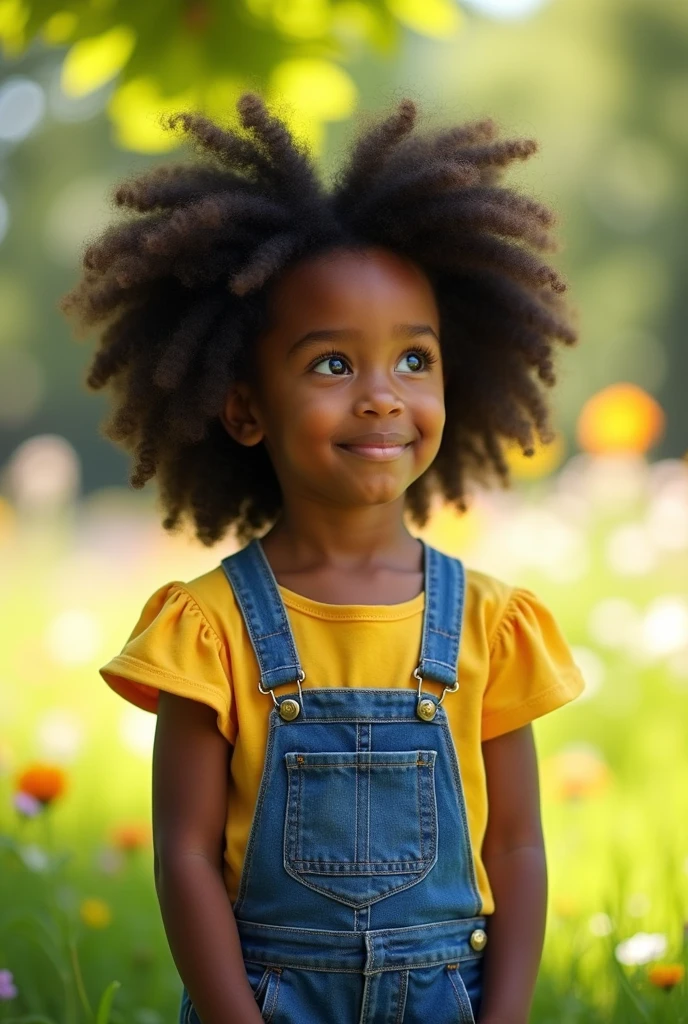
(445, 589)
(259, 599)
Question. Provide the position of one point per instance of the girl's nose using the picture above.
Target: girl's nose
(378, 398)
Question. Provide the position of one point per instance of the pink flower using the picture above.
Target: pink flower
(7, 987)
(27, 805)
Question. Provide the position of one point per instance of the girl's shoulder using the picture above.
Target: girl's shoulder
(488, 602)
(213, 595)
(512, 621)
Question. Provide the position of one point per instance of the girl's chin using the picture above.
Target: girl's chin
(382, 494)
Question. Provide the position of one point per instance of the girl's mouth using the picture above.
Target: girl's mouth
(380, 454)
(379, 447)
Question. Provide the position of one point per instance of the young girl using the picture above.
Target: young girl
(345, 791)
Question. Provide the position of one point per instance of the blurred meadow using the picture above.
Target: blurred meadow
(596, 523)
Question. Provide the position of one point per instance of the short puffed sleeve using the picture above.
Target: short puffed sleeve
(532, 671)
(173, 647)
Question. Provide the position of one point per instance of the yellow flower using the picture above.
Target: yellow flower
(95, 913)
(564, 905)
(666, 975)
(44, 782)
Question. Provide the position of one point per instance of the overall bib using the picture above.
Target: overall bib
(358, 902)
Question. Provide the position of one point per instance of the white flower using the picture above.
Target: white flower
(35, 858)
(600, 924)
(641, 948)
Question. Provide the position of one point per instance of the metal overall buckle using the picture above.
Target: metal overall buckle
(288, 709)
(426, 708)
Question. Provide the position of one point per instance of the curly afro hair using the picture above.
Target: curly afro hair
(180, 290)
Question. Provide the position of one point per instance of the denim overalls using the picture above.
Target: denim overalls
(358, 902)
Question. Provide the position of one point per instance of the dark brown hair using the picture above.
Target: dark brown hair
(180, 286)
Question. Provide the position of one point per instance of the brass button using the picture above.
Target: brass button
(289, 709)
(427, 709)
(478, 939)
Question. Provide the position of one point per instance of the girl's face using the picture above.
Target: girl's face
(349, 394)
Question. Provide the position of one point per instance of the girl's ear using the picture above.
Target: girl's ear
(240, 417)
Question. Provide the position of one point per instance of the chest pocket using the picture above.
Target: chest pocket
(360, 825)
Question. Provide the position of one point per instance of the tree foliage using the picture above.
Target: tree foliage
(205, 53)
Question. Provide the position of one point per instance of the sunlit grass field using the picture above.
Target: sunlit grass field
(604, 544)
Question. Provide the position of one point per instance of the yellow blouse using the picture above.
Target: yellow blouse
(514, 665)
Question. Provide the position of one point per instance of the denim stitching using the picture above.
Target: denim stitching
(401, 867)
(460, 799)
(267, 636)
(403, 990)
(478, 918)
(355, 830)
(256, 816)
(419, 783)
(271, 582)
(273, 1003)
(292, 666)
(369, 783)
(450, 596)
(437, 661)
(463, 999)
(428, 598)
(366, 999)
(358, 903)
(298, 837)
(303, 965)
(306, 765)
(262, 982)
(440, 632)
(239, 568)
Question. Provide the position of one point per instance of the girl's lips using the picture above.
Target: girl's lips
(380, 453)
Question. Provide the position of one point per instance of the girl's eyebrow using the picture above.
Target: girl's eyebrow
(334, 334)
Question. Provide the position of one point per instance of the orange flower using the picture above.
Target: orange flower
(666, 975)
(575, 773)
(44, 782)
(620, 418)
(131, 836)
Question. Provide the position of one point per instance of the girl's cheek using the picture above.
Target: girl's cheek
(431, 414)
(317, 414)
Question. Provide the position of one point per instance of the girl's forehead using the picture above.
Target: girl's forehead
(350, 280)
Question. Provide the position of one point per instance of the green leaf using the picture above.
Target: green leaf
(105, 1004)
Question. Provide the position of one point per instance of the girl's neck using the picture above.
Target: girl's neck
(345, 539)
(342, 558)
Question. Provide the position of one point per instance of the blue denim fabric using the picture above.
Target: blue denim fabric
(358, 895)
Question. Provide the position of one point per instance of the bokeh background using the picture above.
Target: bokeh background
(596, 523)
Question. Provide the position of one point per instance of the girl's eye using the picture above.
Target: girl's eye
(417, 359)
(335, 366)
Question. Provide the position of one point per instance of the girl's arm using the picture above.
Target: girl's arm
(190, 771)
(514, 858)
